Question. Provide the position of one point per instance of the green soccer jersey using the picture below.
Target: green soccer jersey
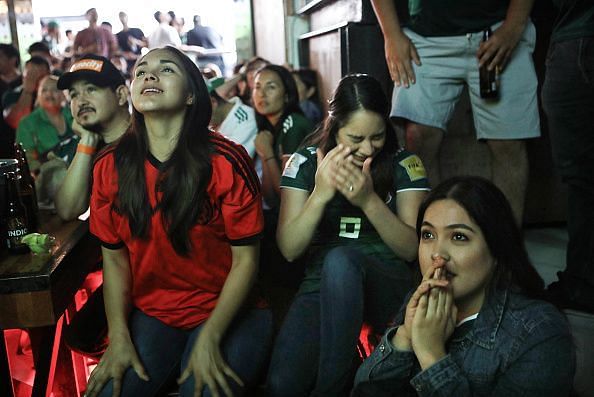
(343, 223)
(295, 128)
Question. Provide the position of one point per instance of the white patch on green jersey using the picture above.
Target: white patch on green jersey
(287, 124)
(293, 164)
(349, 227)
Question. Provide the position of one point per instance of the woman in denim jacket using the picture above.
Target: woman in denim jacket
(475, 325)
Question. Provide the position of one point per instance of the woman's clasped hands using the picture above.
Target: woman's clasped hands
(337, 172)
(430, 317)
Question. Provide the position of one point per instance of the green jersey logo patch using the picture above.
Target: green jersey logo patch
(414, 168)
(349, 227)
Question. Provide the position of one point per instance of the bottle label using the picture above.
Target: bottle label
(17, 232)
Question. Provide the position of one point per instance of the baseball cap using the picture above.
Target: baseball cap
(95, 69)
(214, 83)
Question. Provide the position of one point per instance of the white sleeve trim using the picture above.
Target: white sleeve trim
(294, 188)
(411, 189)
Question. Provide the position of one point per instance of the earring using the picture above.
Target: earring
(190, 100)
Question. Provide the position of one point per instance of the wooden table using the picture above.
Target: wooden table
(35, 290)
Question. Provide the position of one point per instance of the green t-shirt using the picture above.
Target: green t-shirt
(453, 17)
(36, 132)
(295, 127)
(576, 19)
(344, 224)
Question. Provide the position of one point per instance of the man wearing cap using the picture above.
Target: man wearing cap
(99, 105)
(232, 118)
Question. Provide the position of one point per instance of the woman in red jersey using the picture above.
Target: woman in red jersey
(178, 211)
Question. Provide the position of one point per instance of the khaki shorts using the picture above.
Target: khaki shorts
(450, 63)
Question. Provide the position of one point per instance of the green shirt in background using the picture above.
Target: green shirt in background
(344, 224)
(575, 20)
(294, 129)
(453, 17)
(36, 132)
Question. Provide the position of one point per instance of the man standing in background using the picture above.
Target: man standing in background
(209, 39)
(568, 100)
(437, 53)
(130, 40)
(164, 34)
(95, 39)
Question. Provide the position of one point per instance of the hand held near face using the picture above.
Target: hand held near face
(403, 338)
(328, 166)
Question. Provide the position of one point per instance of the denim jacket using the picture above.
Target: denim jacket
(517, 347)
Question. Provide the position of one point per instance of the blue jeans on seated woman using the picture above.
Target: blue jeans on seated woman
(162, 349)
(315, 351)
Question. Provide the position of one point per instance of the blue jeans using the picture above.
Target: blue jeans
(316, 347)
(162, 349)
(568, 100)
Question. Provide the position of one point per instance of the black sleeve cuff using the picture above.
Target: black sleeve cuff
(248, 240)
(111, 246)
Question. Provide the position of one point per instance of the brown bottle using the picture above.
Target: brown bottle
(488, 78)
(26, 186)
(15, 216)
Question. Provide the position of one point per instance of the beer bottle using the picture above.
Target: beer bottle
(26, 186)
(488, 78)
(15, 216)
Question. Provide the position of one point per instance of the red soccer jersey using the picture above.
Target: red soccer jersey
(182, 291)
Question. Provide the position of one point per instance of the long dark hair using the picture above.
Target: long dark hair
(291, 105)
(184, 177)
(356, 92)
(488, 207)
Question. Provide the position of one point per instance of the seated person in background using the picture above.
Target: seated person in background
(309, 98)
(180, 252)
(46, 133)
(210, 71)
(232, 118)
(281, 125)
(348, 206)
(99, 104)
(20, 101)
(248, 72)
(281, 129)
(10, 78)
(41, 49)
(476, 325)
